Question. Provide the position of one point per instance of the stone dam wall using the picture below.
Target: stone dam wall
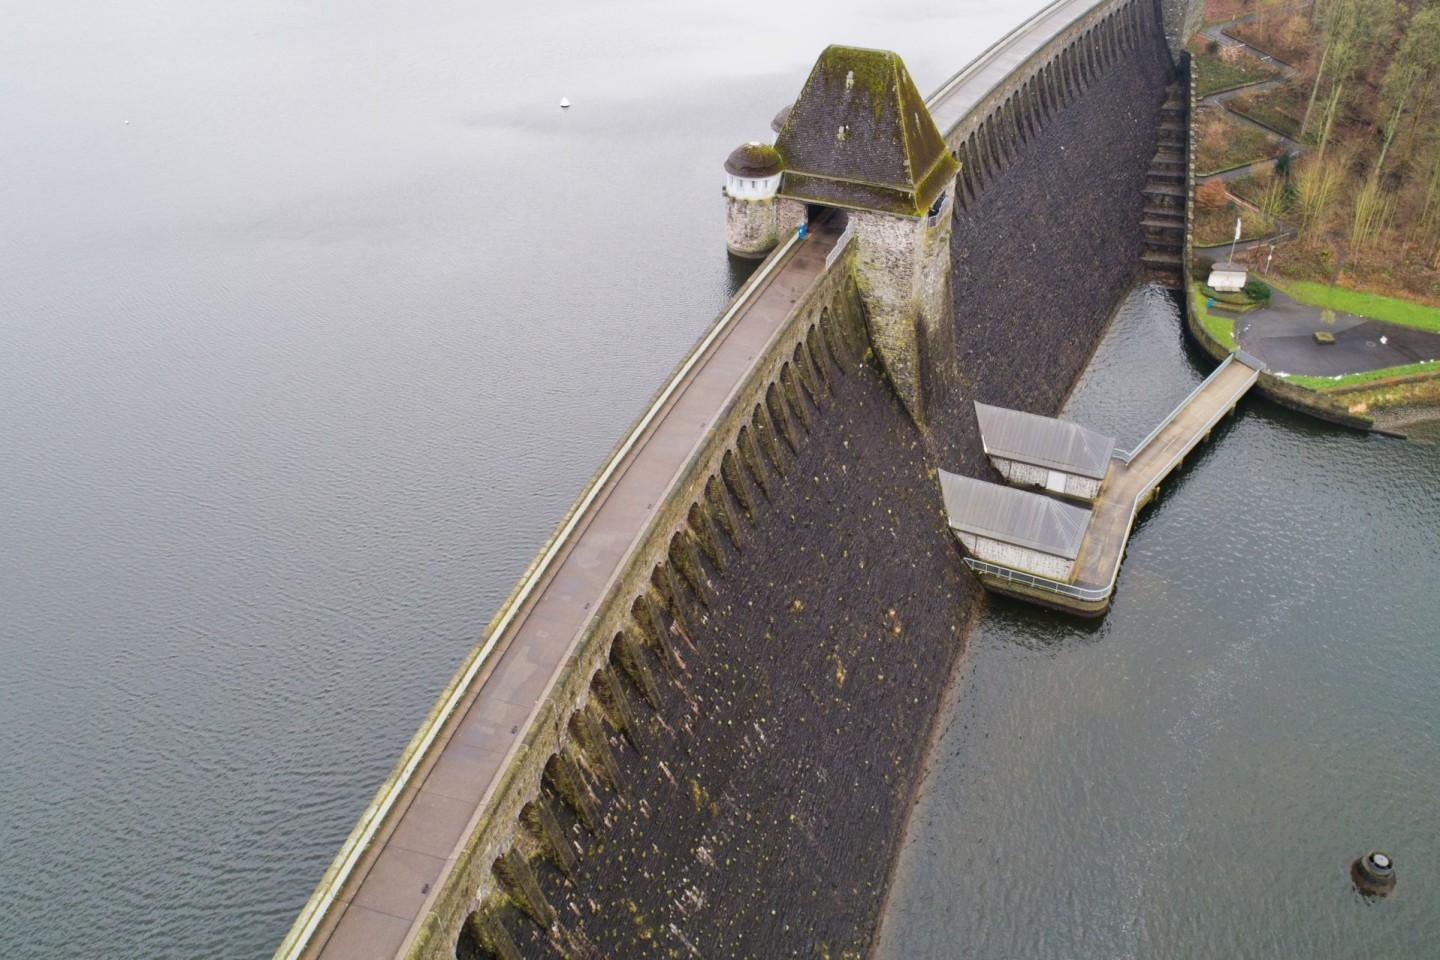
(604, 726)
(722, 762)
(784, 693)
(750, 723)
(1047, 237)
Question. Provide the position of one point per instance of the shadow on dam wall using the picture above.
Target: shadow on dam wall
(1044, 252)
(760, 815)
(754, 808)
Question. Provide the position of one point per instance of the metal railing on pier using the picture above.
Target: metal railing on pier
(1058, 587)
(1097, 594)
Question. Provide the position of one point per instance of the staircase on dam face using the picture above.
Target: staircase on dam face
(1165, 195)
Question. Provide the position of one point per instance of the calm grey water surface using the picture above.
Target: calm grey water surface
(299, 367)
(1192, 776)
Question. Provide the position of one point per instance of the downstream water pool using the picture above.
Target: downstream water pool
(1191, 775)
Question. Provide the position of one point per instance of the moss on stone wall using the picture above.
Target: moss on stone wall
(798, 677)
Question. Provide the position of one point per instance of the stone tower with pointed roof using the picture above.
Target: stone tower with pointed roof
(861, 139)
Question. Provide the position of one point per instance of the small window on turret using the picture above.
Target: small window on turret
(844, 132)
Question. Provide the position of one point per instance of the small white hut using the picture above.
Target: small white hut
(1228, 277)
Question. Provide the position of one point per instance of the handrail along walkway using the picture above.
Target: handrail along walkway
(340, 872)
(1099, 592)
(370, 821)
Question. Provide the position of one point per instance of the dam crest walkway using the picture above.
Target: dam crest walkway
(423, 820)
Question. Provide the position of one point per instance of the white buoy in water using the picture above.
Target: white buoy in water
(564, 103)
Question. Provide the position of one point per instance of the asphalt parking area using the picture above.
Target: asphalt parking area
(1281, 335)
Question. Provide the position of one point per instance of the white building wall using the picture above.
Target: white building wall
(1227, 281)
(1029, 475)
(1020, 558)
(747, 188)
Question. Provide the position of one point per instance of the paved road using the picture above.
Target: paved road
(1281, 335)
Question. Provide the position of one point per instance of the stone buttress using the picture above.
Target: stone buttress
(860, 139)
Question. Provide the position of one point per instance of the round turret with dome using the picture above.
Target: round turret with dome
(752, 171)
(755, 217)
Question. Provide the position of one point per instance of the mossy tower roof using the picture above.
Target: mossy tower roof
(754, 159)
(860, 136)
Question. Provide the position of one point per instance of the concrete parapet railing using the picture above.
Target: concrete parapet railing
(370, 820)
(548, 721)
(968, 72)
(1038, 42)
(1004, 96)
(840, 245)
(495, 830)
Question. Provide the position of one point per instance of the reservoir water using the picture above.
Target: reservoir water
(314, 319)
(1192, 775)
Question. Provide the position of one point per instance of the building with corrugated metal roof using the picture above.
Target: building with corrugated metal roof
(1015, 528)
(1035, 451)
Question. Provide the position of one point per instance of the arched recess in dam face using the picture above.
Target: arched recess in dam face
(761, 655)
(736, 742)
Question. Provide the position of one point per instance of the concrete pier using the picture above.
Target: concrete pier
(1130, 483)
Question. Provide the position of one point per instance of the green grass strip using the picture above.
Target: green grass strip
(1404, 313)
(1353, 379)
(1220, 327)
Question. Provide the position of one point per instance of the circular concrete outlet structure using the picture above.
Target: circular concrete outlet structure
(1373, 874)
